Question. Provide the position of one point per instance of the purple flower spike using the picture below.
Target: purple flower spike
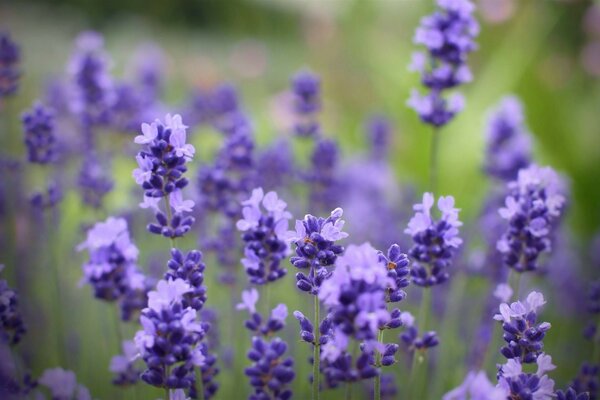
(10, 56)
(532, 208)
(112, 269)
(316, 250)
(435, 242)
(40, 138)
(522, 334)
(12, 327)
(306, 89)
(508, 147)
(264, 226)
(448, 35)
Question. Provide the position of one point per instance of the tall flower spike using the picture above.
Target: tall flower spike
(435, 241)
(532, 208)
(264, 230)
(170, 341)
(92, 94)
(314, 239)
(508, 143)
(112, 269)
(10, 56)
(322, 177)
(40, 139)
(522, 333)
(161, 165)
(306, 90)
(448, 35)
(12, 327)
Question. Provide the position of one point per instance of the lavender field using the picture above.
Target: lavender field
(386, 199)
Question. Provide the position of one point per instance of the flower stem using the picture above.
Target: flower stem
(316, 351)
(418, 373)
(200, 383)
(60, 334)
(433, 160)
(514, 280)
(169, 218)
(377, 385)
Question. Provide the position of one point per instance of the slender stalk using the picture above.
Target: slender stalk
(514, 280)
(167, 393)
(418, 373)
(348, 395)
(199, 383)
(377, 385)
(60, 335)
(433, 160)
(169, 217)
(316, 351)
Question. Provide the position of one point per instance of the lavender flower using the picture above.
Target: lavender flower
(63, 385)
(315, 239)
(448, 34)
(520, 385)
(274, 165)
(476, 386)
(12, 327)
(10, 56)
(264, 234)
(379, 131)
(355, 293)
(190, 269)
(47, 199)
(306, 88)
(396, 263)
(322, 177)
(587, 381)
(160, 174)
(532, 208)
(40, 140)
(112, 270)
(270, 373)
(523, 335)
(92, 87)
(123, 365)
(94, 181)
(435, 242)
(508, 144)
(571, 394)
(170, 341)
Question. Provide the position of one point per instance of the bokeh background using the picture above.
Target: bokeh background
(546, 52)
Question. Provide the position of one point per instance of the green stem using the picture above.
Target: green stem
(169, 218)
(377, 385)
(418, 373)
(514, 280)
(167, 393)
(348, 395)
(199, 383)
(60, 335)
(316, 352)
(433, 160)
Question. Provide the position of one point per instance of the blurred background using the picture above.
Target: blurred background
(546, 52)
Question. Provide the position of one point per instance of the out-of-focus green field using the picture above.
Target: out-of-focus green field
(361, 50)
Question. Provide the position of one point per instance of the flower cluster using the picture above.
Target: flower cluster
(123, 365)
(315, 239)
(532, 208)
(522, 334)
(508, 143)
(448, 34)
(322, 176)
(435, 242)
(396, 263)
(170, 341)
(10, 56)
(162, 164)
(62, 385)
(40, 140)
(306, 90)
(410, 337)
(379, 130)
(520, 385)
(12, 327)
(263, 235)
(355, 293)
(112, 270)
(190, 269)
(94, 181)
(271, 372)
(92, 92)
